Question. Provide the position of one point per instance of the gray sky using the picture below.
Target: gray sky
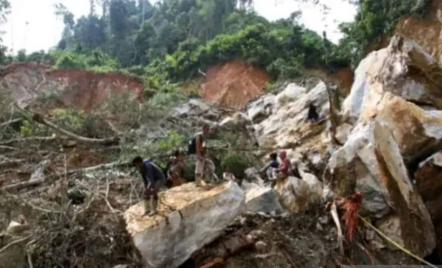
(33, 26)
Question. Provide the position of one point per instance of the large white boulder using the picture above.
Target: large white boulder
(403, 69)
(189, 218)
(261, 199)
(394, 107)
(280, 121)
(371, 163)
(285, 115)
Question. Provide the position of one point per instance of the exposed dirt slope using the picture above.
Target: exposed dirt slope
(234, 84)
(80, 88)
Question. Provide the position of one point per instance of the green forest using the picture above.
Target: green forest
(173, 40)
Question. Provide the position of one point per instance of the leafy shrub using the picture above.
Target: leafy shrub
(174, 141)
(95, 61)
(235, 164)
(167, 100)
(72, 120)
(28, 129)
(71, 61)
(285, 70)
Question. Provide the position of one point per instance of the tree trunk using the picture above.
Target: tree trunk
(40, 119)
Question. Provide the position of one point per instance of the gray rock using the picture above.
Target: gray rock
(190, 218)
(261, 199)
(261, 246)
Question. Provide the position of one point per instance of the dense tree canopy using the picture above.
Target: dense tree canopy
(180, 37)
(172, 40)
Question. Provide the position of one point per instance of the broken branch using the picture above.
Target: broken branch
(334, 213)
(18, 241)
(28, 139)
(11, 162)
(13, 121)
(406, 251)
(41, 120)
(21, 185)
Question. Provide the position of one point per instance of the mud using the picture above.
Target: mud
(234, 84)
(79, 88)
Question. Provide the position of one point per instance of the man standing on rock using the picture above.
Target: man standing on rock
(204, 165)
(153, 179)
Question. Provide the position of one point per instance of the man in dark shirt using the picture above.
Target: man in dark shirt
(153, 179)
(271, 166)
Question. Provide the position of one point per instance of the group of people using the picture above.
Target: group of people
(154, 178)
(278, 170)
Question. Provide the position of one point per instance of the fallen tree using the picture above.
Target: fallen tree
(41, 120)
(21, 185)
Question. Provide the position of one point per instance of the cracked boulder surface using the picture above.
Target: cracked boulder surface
(429, 183)
(188, 218)
(395, 112)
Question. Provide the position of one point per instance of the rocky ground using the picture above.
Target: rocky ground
(69, 198)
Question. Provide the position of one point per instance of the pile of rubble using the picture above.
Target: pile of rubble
(384, 142)
(389, 125)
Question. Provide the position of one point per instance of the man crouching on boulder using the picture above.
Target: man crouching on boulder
(153, 179)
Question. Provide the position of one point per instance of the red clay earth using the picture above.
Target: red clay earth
(80, 88)
(234, 84)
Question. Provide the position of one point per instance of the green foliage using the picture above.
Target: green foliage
(72, 120)
(95, 61)
(283, 48)
(69, 60)
(28, 129)
(377, 19)
(174, 141)
(172, 40)
(235, 163)
(167, 100)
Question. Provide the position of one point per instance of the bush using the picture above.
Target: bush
(72, 120)
(174, 141)
(235, 164)
(166, 100)
(28, 129)
(95, 61)
(70, 61)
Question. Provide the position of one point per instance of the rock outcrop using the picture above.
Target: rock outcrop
(80, 88)
(280, 121)
(261, 199)
(189, 218)
(429, 182)
(394, 108)
(234, 84)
